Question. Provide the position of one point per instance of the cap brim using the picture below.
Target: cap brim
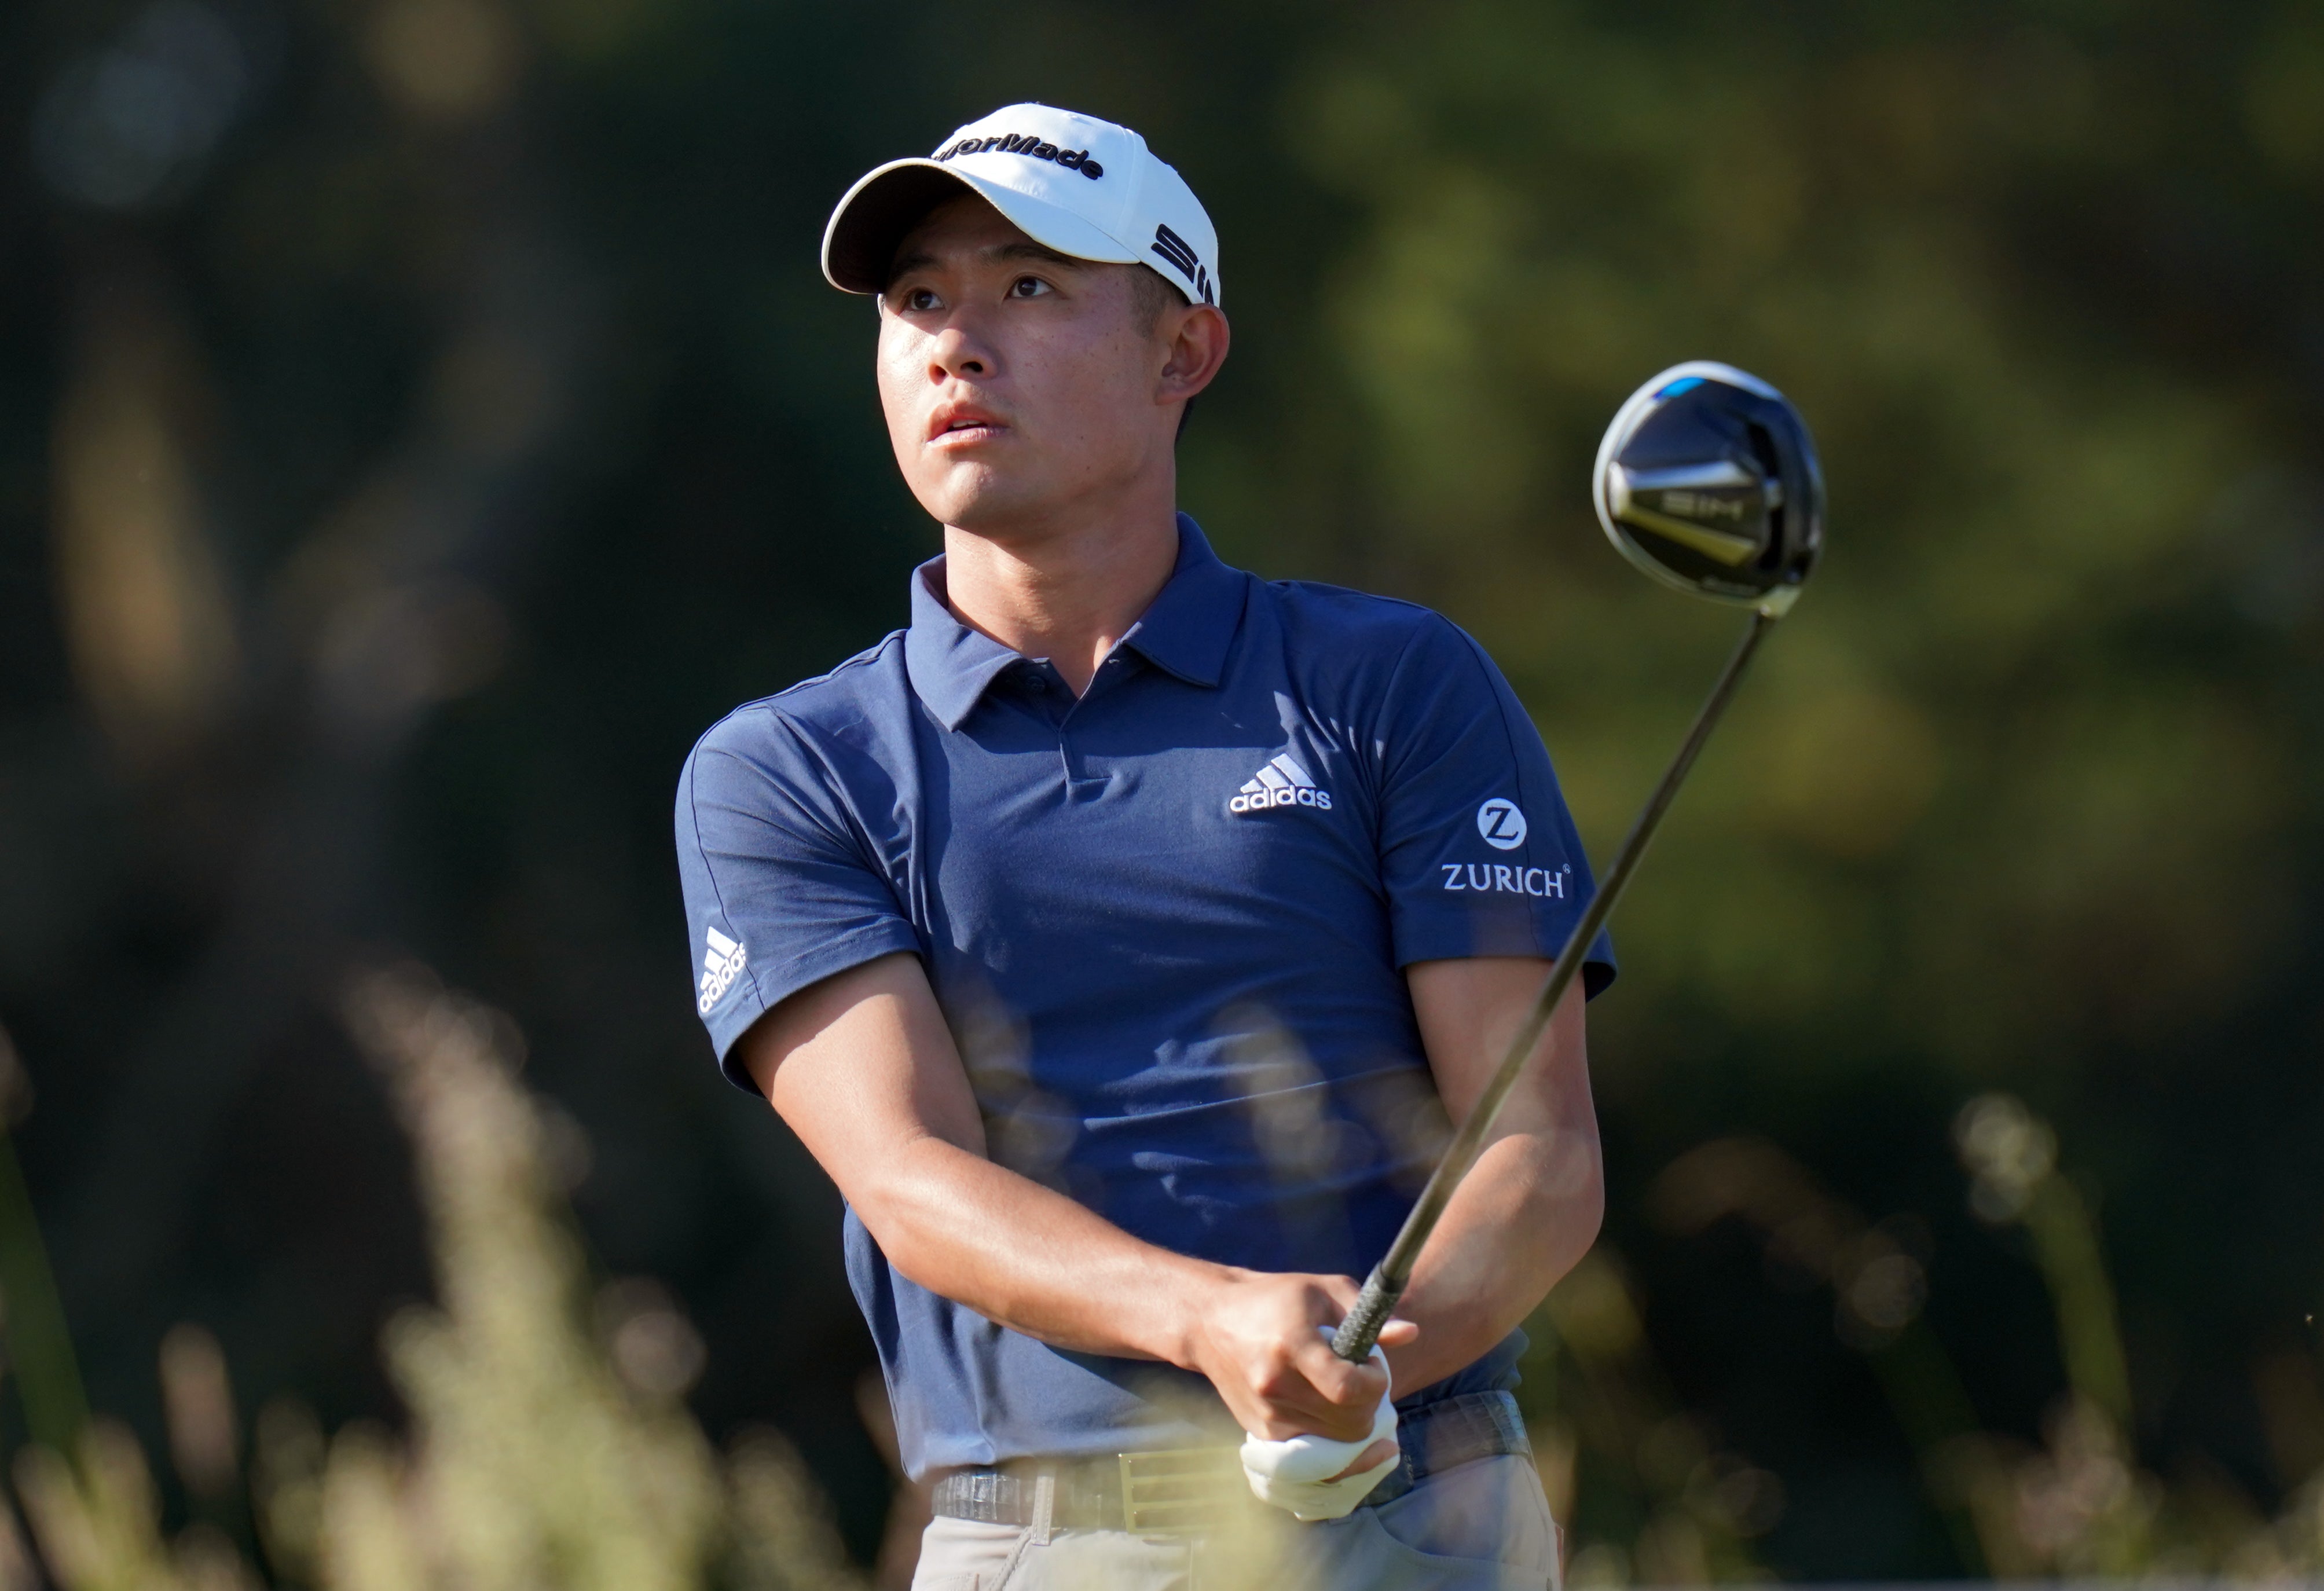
(872, 219)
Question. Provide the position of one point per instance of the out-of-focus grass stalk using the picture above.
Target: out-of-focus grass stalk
(1877, 1293)
(2089, 1331)
(84, 1483)
(40, 1345)
(544, 1451)
(550, 1443)
(2012, 1156)
(97, 1519)
(1932, 1408)
(1598, 1400)
(2082, 1507)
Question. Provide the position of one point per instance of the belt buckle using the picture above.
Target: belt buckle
(1177, 1491)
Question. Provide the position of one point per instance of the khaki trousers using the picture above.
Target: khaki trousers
(1479, 1526)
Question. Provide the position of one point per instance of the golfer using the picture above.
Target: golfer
(1121, 935)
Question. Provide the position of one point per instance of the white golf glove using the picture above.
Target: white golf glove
(1292, 1474)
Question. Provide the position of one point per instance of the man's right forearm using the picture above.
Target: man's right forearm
(1029, 1258)
(863, 1069)
(1039, 1263)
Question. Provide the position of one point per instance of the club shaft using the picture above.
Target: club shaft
(1361, 1329)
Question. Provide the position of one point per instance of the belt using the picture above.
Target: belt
(1179, 1490)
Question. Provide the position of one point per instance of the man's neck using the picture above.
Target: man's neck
(1068, 592)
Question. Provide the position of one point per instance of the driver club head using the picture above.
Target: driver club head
(1708, 480)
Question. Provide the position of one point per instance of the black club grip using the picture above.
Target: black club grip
(1354, 1339)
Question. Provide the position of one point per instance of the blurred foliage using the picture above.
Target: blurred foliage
(1659, 1502)
(546, 1448)
(420, 417)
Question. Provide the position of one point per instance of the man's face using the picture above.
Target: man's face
(1017, 381)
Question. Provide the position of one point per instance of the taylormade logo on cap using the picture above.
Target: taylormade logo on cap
(1073, 183)
(1029, 146)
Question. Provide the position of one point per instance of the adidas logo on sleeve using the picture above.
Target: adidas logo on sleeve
(721, 962)
(1281, 783)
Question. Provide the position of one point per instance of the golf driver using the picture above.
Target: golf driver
(1708, 480)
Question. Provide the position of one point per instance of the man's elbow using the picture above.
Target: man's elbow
(1589, 1213)
(909, 1198)
(1576, 1190)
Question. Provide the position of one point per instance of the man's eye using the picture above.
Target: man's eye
(1028, 287)
(921, 299)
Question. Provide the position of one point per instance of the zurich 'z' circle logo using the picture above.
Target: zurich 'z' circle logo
(1501, 824)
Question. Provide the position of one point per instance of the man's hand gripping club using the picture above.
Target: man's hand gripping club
(864, 1069)
(1321, 1431)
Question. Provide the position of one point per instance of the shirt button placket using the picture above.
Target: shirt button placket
(1057, 704)
(1079, 787)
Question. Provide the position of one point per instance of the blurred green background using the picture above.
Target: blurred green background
(421, 419)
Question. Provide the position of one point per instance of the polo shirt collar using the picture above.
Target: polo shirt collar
(1191, 621)
(950, 663)
(1186, 630)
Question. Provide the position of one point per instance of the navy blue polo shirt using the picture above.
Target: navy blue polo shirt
(1168, 922)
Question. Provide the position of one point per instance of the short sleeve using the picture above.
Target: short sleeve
(1478, 852)
(780, 891)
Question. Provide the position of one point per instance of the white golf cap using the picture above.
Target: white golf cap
(1070, 182)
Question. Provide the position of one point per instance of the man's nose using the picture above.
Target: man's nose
(958, 352)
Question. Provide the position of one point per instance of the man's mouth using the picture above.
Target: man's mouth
(959, 423)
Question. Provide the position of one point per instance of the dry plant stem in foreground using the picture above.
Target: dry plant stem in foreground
(2076, 1506)
(549, 1449)
(534, 1459)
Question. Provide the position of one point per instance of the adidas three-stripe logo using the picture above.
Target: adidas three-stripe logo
(722, 960)
(1281, 783)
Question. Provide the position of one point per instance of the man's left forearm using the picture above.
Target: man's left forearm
(1521, 1221)
(1529, 1209)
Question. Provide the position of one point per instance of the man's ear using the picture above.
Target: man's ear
(1198, 340)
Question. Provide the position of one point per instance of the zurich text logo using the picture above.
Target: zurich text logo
(1281, 783)
(1493, 878)
(722, 960)
(1501, 824)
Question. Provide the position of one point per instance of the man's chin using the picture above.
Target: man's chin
(982, 502)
